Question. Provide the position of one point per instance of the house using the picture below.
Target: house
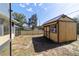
(60, 29)
(15, 28)
(4, 21)
(5, 25)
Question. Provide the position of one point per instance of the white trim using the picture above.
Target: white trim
(13, 31)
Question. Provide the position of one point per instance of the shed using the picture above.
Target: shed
(60, 29)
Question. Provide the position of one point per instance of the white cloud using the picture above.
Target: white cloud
(40, 4)
(29, 9)
(27, 3)
(45, 9)
(22, 5)
(35, 4)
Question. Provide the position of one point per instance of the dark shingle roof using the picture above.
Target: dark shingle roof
(54, 19)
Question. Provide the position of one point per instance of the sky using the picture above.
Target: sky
(46, 11)
(4, 9)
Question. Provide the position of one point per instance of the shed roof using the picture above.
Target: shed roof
(56, 18)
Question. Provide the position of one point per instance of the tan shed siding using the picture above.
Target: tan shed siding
(70, 31)
(44, 28)
(66, 19)
(67, 31)
(47, 28)
(53, 36)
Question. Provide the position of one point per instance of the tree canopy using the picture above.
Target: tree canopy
(33, 21)
(19, 17)
(76, 18)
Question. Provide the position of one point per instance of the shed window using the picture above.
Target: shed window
(53, 28)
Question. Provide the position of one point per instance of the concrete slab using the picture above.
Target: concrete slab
(3, 40)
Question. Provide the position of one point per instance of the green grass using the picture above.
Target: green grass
(5, 51)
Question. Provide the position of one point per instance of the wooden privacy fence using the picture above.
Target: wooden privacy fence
(31, 32)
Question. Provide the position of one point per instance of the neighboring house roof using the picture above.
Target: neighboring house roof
(15, 21)
(5, 18)
(57, 18)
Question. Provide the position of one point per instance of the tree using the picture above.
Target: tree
(29, 22)
(19, 17)
(33, 21)
(76, 19)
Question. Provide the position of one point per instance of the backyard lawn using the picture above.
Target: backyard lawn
(37, 45)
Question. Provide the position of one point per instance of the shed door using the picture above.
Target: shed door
(44, 31)
(62, 31)
(48, 31)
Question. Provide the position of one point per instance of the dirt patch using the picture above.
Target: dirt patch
(38, 45)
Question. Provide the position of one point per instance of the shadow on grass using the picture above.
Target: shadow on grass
(42, 44)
